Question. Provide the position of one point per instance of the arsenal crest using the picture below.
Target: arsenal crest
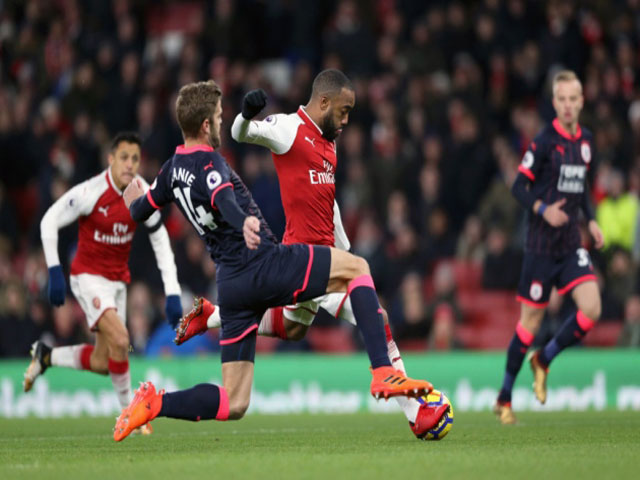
(585, 151)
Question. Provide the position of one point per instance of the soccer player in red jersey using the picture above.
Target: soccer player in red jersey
(552, 185)
(100, 270)
(254, 273)
(303, 149)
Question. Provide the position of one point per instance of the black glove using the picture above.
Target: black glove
(253, 102)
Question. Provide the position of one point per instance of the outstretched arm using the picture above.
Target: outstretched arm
(272, 133)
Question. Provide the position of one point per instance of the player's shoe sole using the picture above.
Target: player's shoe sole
(195, 322)
(40, 361)
(505, 414)
(428, 417)
(540, 373)
(388, 382)
(144, 407)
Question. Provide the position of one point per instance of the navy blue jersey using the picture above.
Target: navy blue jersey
(557, 164)
(191, 179)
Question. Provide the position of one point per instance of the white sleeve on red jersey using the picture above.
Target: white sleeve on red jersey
(161, 245)
(276, 132)
(78, 201)
(340, 237)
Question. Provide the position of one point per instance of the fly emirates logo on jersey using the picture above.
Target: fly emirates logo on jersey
(119, 236)
(323, 178)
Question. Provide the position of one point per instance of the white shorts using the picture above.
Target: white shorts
(337, 304)
(96, 294)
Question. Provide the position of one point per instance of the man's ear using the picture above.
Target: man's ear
(325, 103)
(111, 159)
(206, 126)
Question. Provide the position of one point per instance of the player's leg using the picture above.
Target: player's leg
(91, 295)
(201, 402)
(528, 325)
(534, 290)
(587, 298)
(112, 330)
(349, 273)
(576, 276)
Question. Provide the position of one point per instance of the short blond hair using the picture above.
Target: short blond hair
(564, 76)
(196, 102)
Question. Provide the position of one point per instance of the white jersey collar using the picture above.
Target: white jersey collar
(305, 116)
(111, 182)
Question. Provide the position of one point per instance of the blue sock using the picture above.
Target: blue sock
(366, 309)
(571, 332)
(515, 356)
(202, 402)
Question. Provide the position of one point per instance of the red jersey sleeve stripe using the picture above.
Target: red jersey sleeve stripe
(150, 198)
(213, 195)
(527, 172)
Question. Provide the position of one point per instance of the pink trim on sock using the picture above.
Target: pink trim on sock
(277, 323)
(361, 281)
(223, 409)
(118, 367)
(387, 331)
(85, 357)
(306, 277)
(584, 322)
(524, 335)
(239, 337)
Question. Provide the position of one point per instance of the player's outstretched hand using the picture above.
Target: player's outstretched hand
(596, 233)
(554, 215)
(250, 231)
(253, 103)
(173, 310)
(57, 290)
(133, 191)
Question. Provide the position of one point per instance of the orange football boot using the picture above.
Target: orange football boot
(195, 322)
(144, 407)
(388, 382)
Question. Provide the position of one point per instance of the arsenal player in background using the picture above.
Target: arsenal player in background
(552, 184)
(100, 270)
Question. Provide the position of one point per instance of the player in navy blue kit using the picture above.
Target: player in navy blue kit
(254, 272)
(552, 185)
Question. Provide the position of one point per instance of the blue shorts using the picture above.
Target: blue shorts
(540, 273)
(280, 275)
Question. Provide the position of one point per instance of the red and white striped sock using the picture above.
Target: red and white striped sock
(121, 380)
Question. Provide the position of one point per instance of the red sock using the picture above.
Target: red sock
(85, 357)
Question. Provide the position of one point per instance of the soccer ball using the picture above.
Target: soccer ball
(435, 399)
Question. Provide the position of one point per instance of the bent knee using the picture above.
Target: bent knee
(120, 343)
(361, 267)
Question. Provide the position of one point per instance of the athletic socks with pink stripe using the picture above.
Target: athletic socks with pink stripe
(368, 314)
(571, 332)
(202, 402)
(516, 352)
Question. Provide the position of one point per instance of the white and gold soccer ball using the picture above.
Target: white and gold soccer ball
(434, 399)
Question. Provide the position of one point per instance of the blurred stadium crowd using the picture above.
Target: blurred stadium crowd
(449, 95)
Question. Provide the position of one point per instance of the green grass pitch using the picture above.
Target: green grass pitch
(364, 446)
